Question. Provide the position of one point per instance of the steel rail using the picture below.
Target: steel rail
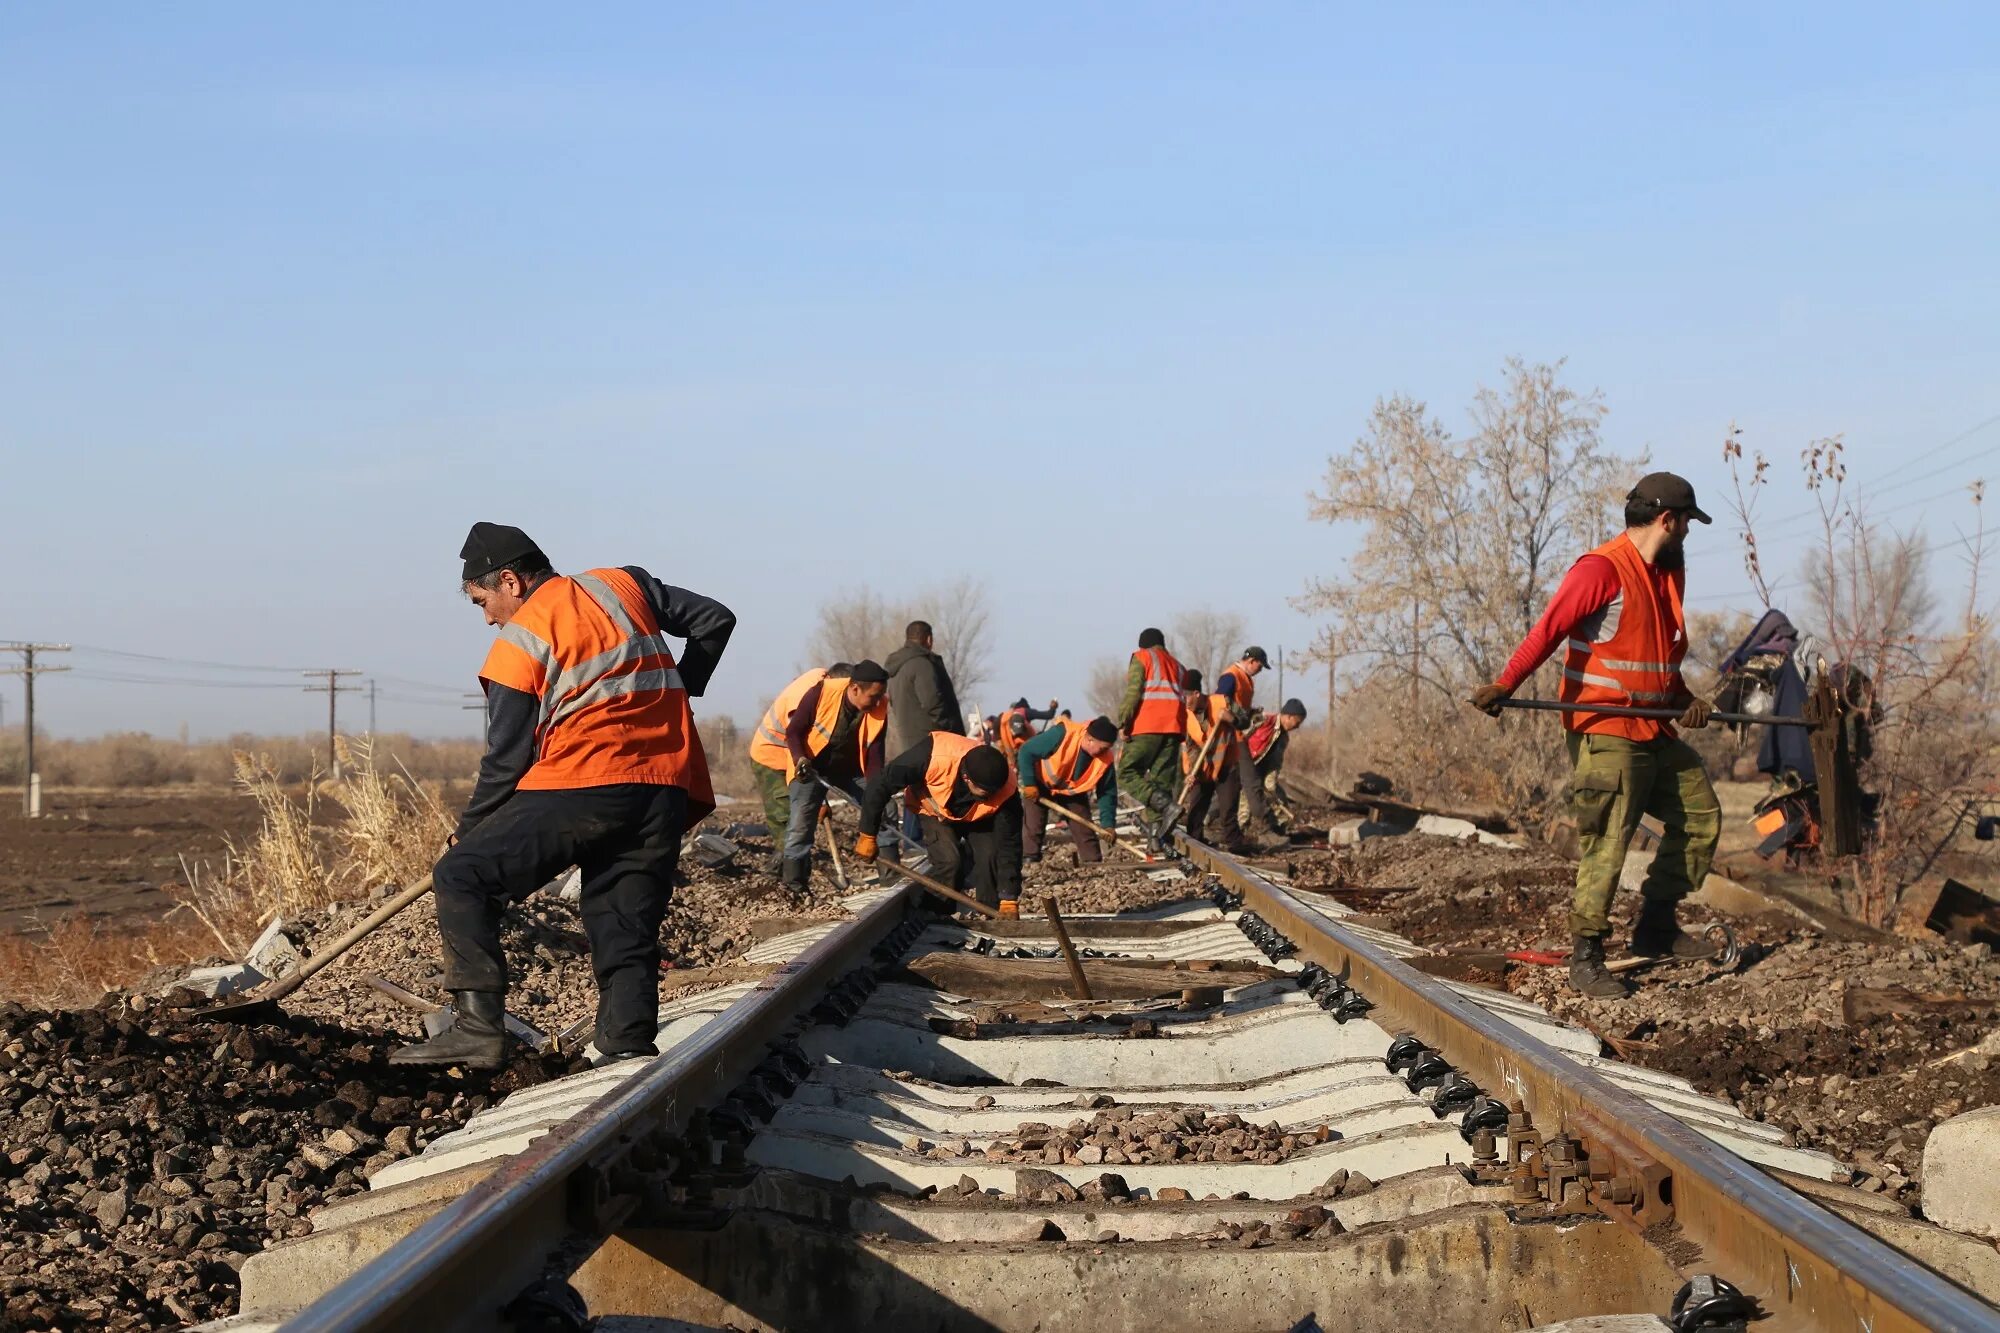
(1808, 1268)
(459, 1268)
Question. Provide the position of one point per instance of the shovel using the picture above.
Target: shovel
(1179, 808)
(1095, 827)
(1663, 714)
(261, 1005)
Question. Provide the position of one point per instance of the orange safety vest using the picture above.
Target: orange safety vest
(613, 708)
(1224, 753)
(1009, 743)
(1630, 653)
(1161, 712)
(1064, 761)
(767, 743)
(948, 754)
(1244, 692)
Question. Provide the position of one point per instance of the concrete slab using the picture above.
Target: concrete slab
(1961, 1166)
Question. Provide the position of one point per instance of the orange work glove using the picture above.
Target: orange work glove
(1010, 909)
(864, 847)
(1031, 794)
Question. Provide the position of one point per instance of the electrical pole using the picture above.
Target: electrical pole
(371, 708)
(334, 689)
(30, 788)
(485, 718)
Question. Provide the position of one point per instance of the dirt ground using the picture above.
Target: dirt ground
(1855, 1047)
(106, 853)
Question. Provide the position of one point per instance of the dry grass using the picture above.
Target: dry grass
(390, 830)
(136, 759)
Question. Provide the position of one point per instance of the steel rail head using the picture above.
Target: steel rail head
(473, 1232)
(1808, 1267)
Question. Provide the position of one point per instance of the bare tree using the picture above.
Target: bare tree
(959, 616)
(1107, 687)
(1463, 540)
(1207, 640)
(859, 623)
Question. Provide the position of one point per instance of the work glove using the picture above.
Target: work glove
(1696, 716)
(864, 847)
(1487, 699)
(803, 771)
(1010, 909)
(1031, 794)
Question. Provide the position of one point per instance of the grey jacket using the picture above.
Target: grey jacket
(921, 699)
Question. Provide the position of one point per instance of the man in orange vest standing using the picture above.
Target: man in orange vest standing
(1617, 618)
(969, 805)
(1238, 684)
(824, 730)
(1068, 763)
(592, 760)
(1153, 718)
(1218, 781)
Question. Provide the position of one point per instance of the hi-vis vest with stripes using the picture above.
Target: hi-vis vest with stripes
(1244, 690)
(767, 743)
(1161, 712)
(948, 752)
(1062, 774)
(1629, 653)
(613, 708)
(1211, 712)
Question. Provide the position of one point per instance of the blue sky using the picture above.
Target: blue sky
(778, 300)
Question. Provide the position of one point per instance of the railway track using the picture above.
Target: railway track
(1267, 1117)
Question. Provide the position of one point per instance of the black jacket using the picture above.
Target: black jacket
(921, 699)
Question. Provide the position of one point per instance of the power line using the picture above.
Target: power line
(184, 661)
(31, 782)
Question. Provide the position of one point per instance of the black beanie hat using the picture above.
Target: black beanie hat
(1190, 679)
(1102, 729)
(986, 768)
(1293, 708)
(491, 546)
(868, 672)
(1152, 638)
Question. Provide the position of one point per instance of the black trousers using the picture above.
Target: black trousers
(625, 838)
(967, 857)
(1219, 795)
(1035, 827)
(1252, 784)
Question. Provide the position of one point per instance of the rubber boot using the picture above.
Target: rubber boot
(1657, 934)
(795, 873)
(1586, 970)
(477, 1038)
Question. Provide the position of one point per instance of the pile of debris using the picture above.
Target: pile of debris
(1118, 1135)
(143, 1157)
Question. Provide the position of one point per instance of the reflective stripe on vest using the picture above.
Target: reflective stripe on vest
(1224, 753)
(827, 717)
(1160, 707)
(767, 743)
(611, 705)
(948, 753)
(1638, 662)
(1064, 762)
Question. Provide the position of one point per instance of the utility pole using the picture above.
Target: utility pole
(31, 790)
(371, 708)
(334, 689)
(485, 718)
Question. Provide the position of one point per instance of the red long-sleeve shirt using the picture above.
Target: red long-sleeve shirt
(1590, 586)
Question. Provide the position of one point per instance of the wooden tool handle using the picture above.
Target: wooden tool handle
(368, 926)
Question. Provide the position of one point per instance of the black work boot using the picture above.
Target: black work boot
(795, 873)
(476, 1039)
(1587, 973)
(1656, 934)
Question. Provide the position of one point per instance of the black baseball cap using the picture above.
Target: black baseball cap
(1668, 491)
(1257, 655)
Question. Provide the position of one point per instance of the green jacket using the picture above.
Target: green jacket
(1028, 759)
(1135, 690)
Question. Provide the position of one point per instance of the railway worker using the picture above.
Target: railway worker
(922, 699)
(1266, 743)
(592, 759)
(1617, 618)
(1068, 764)
(969, 805)
(1153, 719)
(823, 730)
(1218, 781)
(1238, 684)
(774, 789)
(1017, 724)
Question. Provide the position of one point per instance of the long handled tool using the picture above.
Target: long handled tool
(944, 891)
(1077, 979)
(1094, 827)
(262, 1003)
(1179, 808)
(833, 848)
(1663, 714)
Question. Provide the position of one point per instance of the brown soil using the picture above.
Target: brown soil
(107, 853)
(1773, 1036)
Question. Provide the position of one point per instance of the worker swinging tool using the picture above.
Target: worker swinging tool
(969, 807)
(1617, 618)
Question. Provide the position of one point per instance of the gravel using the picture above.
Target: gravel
(1117, 1135)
